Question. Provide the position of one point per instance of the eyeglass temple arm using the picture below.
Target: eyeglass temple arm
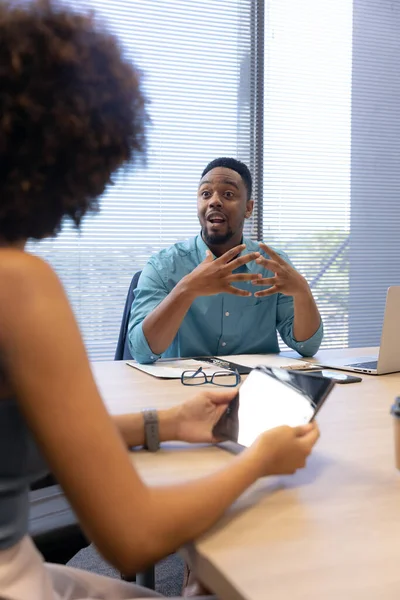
(199, 370)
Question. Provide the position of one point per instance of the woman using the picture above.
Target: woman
(71, 113)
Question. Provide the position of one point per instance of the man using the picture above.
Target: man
(201, 297)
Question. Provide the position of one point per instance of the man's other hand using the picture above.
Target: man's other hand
(214, 276)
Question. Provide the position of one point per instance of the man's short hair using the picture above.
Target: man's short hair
(235, 165)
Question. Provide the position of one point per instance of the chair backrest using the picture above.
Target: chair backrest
(122, 352)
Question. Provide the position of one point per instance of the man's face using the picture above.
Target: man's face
(222, 206)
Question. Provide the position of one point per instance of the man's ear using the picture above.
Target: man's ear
(249, 208)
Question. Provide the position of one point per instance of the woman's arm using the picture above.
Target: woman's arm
(190, 421)
(131, 427)
(45, 360)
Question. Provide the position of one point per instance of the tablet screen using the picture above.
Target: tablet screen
(270, 398)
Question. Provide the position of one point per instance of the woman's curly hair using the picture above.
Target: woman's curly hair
(71, 113)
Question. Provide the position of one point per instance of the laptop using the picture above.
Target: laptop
(388, 360)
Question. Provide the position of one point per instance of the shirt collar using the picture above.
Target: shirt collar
(202, 247)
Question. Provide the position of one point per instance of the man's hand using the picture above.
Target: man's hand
(286, 280)
(215, 276)
(196, 418)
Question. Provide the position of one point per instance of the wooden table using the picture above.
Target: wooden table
(332, 531)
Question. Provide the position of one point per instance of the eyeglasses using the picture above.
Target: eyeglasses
(221, 378)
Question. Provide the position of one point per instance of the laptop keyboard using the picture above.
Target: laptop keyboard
(373, 364)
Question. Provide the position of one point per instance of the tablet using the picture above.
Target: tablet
(270, 398)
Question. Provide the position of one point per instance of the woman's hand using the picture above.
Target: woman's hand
(195, 419)
(283, 450)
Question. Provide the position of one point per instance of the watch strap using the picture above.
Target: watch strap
(151, 430)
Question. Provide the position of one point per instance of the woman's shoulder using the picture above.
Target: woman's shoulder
(18, 264)
(22, 274)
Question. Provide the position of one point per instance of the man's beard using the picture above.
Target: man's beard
(216, 239)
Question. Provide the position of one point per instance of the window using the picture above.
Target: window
(329, 128)
(331, 155)
(197, 60)
(307, 149)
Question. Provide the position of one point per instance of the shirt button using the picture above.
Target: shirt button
(224, 343)
(151, 356)
(227, 314)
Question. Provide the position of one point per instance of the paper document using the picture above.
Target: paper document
(173, 369)
(270, 360)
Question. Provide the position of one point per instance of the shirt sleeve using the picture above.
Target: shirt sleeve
(151, 290)
(284, 325)
(285, 318)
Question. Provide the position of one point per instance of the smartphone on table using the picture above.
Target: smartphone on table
(270, 398)
(334, 376)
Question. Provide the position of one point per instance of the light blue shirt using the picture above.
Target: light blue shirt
(214, 325)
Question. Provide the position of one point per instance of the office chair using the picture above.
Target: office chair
(146, 579)
(122, 352)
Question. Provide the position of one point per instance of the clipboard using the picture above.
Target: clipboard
(172, 368)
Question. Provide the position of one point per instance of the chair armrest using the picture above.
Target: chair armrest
(53, 525)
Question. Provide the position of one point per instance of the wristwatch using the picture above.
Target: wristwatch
(151, 433)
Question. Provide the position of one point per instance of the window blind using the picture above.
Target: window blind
(307, 148)
(374, 255)
(331, 154)
(198, 59)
